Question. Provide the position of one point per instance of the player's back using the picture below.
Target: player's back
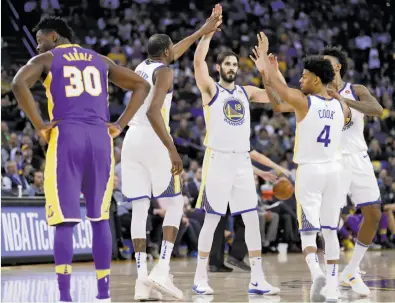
(318, 135)
(146, 70)
(77, 86)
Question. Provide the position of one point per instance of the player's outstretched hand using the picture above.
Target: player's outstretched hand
(334, 93)
(114, 129)
(45, 131)
(212, 24)
(176, 162)
(267, 176)
(273, 61)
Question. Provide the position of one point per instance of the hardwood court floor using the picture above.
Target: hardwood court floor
(37, 283)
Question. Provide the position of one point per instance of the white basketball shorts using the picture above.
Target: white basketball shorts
(146, 166)
(318, 195)
(227, 178)
(359, 180)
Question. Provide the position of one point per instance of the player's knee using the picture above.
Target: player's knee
(372, 213)
(332, 248)
(174, 211)
(139, 219)
(250, 218)
(308, 239)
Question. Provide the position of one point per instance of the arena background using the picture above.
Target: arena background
(120, 30)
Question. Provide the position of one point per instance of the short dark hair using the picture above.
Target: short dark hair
(55, 24)
(339, 54)
(321, 67)
(157, 44)
(222, 56)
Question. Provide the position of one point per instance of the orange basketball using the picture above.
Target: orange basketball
(283, 189)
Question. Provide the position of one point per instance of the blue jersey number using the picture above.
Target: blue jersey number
(324, 136)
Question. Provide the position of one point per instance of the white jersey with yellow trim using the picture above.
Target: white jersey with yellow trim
(318, 135)
(353, 140)
(227, 117)
(146, 69)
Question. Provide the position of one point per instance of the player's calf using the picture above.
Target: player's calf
(332, 254)
(63, 253)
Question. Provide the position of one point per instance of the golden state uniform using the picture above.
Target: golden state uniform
(227, 169)
(318, 176)
(146, 166)
(358, 177)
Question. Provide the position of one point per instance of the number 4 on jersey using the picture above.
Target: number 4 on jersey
(324, 136)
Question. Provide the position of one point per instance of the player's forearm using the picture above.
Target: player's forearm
(202, 48)
(370, 108)
(137, 99)
(181, 47)
(156, 120)
(25, 100)
(262, 159)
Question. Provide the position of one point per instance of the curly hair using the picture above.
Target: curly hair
(339, 54)
(55, 24)
(321, 67)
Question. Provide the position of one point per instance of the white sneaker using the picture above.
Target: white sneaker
(163, 281)
(144, 291)
(330, 295)
(316, 288)
(108, 300)
(355, 281)
(262, 287)
(202, 288)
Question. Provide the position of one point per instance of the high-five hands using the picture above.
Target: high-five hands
(213, 22)
(259, 51)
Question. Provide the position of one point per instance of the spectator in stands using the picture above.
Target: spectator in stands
(37, 188)
(12, 180)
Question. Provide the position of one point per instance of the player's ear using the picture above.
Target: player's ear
(217, 67)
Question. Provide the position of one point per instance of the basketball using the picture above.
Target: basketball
(283, 189)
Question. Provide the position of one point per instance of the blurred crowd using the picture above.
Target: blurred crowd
(120, 29)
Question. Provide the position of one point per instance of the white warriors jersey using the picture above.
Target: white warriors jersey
(146, 70)
(353, 140)
(227, 119)
(318, 135)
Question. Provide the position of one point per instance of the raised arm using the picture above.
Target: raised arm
(210, 26)
(26, 77)
(293, 97)
(128, 80)
(204, 82)
(366, 103)
(163, 82)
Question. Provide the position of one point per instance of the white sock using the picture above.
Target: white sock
(332, 272)
(314, 265)
(201, 269)
(357, 256)
(256, 269)
(141, 263)
(165, 253)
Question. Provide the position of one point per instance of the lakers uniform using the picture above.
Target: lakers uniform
(316, 151)
(146, 165)
(80, 152)
(227, 169)
(358, 177)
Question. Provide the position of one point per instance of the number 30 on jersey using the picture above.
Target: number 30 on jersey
(87, 80)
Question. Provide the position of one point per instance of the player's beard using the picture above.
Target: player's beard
(230, 77)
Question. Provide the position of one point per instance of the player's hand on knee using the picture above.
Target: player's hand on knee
(176, 162)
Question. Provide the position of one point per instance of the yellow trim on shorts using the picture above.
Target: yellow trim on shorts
(206, 163)
(106, 202)
(177, 184)
(47, 85)
(206, 110)
(102, 273)
(63, 269)
(296, 146)
(53, 210)
(298, 205)
(164, 116)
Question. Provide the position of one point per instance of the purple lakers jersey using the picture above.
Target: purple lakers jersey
(77, 86)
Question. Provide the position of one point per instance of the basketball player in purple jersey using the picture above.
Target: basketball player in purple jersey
(80, 152)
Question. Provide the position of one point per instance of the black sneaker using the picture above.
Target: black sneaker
(222, 268)
(240, 264)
